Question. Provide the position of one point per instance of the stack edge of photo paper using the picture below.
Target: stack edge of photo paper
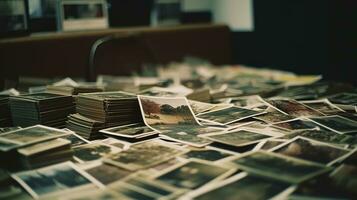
(192, 132)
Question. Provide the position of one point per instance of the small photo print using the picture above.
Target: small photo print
(158, 111)
(130, 131)
(293, 108)
(144, 155)
(93, 151)
(53, 179)
(271, 164)
(296, 124)
(238, 138)
(336, 123)
(31, 135)
(229, 115)
(240, 187)
(311, 150)
(194, 174)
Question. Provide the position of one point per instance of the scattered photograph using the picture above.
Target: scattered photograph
(293, 108)
(144, 155)
(240, 187)
(336, 123)
(273, 117)
(311, 150)
(201, 107)
(75, 139)
(93, 151)
(270, 165)
(326, 136)
(296, 124)
(54, 179)
(29, 135)
(228, 115)
(130, 131)
(159, 111)
(107, 174)
(186, 137)
(131, 192)
(160, 189)
(324, 106)
(237, 138)
(206, 154)
(247, 101)
(194, 174)
(344, 98)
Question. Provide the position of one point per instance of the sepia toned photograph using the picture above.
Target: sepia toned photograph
(108, 95)
(336, 123)
(106, 173)
(206, 154)
(130, 131)
(31, 135)
(186, 137)
(311, 150)
(53, 179)
(144, 155)
(228, 115)
(280, 167)
(240, 187)
(274, 117)
(326, 136)
(296, 124)
(93, 151)
(236, 138)
(158, 111)
(194, 174)
(293, 108)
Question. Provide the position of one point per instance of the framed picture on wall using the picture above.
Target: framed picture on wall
(13, 18)
(82, 15)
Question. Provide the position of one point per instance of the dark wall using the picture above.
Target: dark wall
(298, 35)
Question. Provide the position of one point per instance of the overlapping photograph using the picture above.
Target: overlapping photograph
(311, 150)
(55, 179)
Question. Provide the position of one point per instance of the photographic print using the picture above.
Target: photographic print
(238, 138)
(269, 144)
(194, 174)
(206, 154)
(311, 150)
(189, 134)
(159, 111)
(241, 187)
(54, 179)
(201, 107)
(277, 166)
(324, 106)
(296, 124)
(30, 135)
(102, 96)
(130, 131)
(273, 117)
(75, 139)
(228, 115)
(107, 174)
(293, 108)
(93, 151)
(336, 123)
(326, 136)
(144, 155)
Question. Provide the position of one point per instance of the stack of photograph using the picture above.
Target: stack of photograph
(5, 114)
(34, 146)
(69, 90)
(100, 110)
(41, 108)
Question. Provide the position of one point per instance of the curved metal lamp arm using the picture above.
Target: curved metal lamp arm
(104, 40)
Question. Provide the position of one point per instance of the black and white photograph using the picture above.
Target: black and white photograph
(143, 155)
(130, 131)
(311, 150)
(239, 137)
(194, 174)
(54, 179)
(93, 151)
(336, 123)
(279, 167)
(228, 115)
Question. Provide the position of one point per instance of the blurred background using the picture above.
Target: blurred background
(302, 36)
